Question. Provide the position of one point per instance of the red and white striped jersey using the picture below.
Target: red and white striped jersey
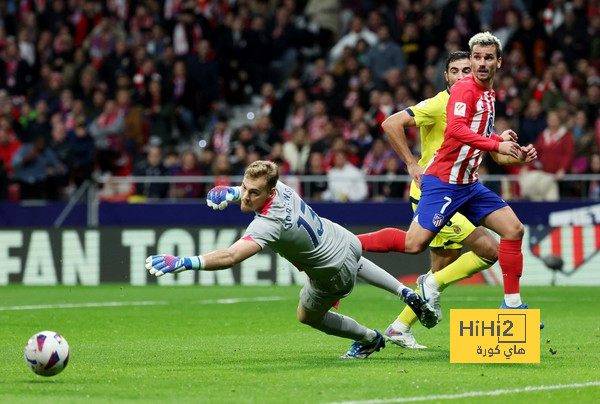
(470, 115)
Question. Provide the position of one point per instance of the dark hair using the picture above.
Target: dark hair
(454, 56)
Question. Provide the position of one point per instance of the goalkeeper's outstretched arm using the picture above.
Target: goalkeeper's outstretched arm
(158, 265)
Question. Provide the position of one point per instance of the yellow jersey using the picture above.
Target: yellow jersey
(430, 118)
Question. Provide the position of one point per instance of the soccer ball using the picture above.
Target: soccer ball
(47, 353)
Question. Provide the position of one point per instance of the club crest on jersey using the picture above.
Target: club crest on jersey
(460, 109)
(438, 220)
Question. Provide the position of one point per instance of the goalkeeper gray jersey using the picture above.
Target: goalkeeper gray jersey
(291, 228)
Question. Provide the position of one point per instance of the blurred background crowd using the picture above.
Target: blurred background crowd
(105, 89)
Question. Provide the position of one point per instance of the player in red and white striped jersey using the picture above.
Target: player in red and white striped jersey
(450, 181)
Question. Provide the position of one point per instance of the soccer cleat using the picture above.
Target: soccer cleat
(424, 312)
(360, 351)
(403, 339)
(522, 306)
(430, 295)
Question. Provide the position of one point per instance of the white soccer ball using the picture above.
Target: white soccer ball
(47, 353)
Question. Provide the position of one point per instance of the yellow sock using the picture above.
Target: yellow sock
(464, 267)
(408, 317)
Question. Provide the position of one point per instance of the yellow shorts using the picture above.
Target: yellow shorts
(453, 233)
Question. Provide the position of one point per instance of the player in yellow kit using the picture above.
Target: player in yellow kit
(447, 264)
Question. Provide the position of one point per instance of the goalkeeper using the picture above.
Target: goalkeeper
(330, 256)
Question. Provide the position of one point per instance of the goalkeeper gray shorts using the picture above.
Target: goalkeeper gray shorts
(321, 295)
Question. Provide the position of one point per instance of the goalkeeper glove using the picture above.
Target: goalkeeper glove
(219, 197)
(158, 265)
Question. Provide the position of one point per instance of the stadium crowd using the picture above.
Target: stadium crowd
(93, 90)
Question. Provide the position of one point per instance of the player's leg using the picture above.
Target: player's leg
(448, 267)
(504, 222)
(317, 298)
(399, 331)
(483, 254)
(377, 276)
(489, 210)
(390, 239)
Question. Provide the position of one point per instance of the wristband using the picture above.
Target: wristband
(197, 262)
(236, 194)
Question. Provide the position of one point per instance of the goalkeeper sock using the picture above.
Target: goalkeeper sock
(377, 276)
(345, 327)
(384, 240)
(464, 267)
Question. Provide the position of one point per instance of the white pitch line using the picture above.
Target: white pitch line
(140, 303)
(81, 305)
(473, 394)
(242, 300)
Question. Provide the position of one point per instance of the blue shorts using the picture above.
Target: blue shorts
(440, 200)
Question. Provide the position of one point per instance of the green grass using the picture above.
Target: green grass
(191, 350)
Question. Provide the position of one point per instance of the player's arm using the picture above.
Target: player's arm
(158, 265)
(394, 127)
(527, 155)
(459, 109)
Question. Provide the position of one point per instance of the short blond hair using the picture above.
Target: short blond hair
(263, 168)
(485, 39)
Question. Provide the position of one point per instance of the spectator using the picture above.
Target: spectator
(332, 96)
(583, 134)
(592, 187)
(189, 167)
(315, 125)
(35, 122)
(555, 147)
(345, 182)
(266, 135)
(357, 31)
(591, 102)
(171, 162)
(221, 169)
(151, 167)
(220, 138)
(391, 188)
(300, 111)
(34, 164)
(4, 183)
(296, 151)
(134, 134)
(375, 160)
(107, 132)
(63, 149)
(9, 145)
(84, 154)
(533, 123)
(385, 55)
(571, 37)
(314, 189)
(204, 72)
(15, 75)
(159, 115)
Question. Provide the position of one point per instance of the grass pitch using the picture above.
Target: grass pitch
(244, 344)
